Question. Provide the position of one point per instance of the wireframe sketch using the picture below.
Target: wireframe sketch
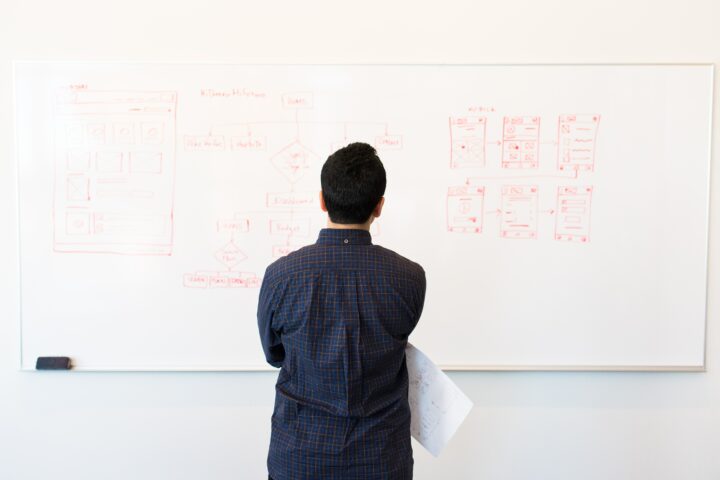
(576, 141)
(519, 211)
(572, 222)
(467, 140)
(465, 209)
(115, 164)
(521, 142)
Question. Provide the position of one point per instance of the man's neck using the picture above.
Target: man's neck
(350, 226)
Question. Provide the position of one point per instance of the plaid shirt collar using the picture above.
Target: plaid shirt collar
(341, 236)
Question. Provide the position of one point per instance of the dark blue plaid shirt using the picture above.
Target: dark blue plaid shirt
(335, 316)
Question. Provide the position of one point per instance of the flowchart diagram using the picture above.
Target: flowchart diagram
(512, 199)
(116, 154)
(291, 216)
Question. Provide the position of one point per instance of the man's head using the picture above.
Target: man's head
(353, 184)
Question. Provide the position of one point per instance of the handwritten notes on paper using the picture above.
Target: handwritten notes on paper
(437, 405)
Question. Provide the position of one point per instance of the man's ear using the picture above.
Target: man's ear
(322, 202)
(378, 208)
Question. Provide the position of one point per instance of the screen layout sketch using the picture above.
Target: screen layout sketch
(114, 172)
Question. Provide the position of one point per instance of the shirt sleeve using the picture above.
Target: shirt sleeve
(419, 297)
(269, 337)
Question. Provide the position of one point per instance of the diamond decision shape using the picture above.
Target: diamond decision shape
(230, 255)
(293, 161)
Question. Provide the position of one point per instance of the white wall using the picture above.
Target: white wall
(216, 425)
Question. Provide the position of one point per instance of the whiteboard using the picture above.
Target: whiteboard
(560, 212)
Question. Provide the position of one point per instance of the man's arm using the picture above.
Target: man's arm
(269, 337)
(419, 297)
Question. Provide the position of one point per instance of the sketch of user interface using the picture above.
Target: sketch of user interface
(572, 222)
(465, 209)
(114, 164)
(521, 142)
(519, 211)
(467, 137)
(576, 141)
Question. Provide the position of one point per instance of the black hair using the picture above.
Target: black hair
(353, 182)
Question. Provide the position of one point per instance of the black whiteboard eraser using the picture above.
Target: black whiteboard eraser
(53, 363)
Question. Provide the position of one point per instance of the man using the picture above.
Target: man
(335, 317)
